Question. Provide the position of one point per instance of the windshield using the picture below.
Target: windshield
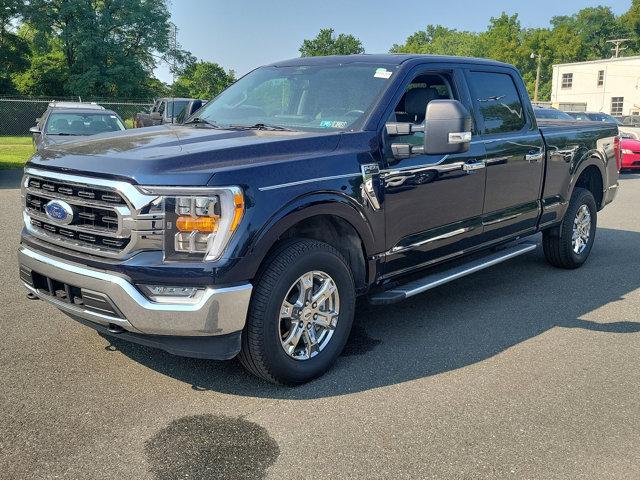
(82, 123)
(300, 98)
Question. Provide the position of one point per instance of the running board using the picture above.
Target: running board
(402, 292)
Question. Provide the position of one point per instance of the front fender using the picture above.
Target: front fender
(310, 205)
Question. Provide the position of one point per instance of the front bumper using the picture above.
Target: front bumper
(118, 305)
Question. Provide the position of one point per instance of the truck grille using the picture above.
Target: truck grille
(104, 222)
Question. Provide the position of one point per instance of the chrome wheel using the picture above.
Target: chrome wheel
(308, 315)
(581, 230)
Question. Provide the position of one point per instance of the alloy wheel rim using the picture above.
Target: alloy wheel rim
(309, 315)
(581, 230)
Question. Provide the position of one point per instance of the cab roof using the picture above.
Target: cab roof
(384, 59)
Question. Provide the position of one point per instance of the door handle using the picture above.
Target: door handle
(472, 167)
(534, 157)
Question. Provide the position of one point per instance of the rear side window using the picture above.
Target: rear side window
(496, 100)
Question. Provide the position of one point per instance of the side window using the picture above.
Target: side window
(413, 105)
(496, 100)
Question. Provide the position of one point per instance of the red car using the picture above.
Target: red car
(630, 154)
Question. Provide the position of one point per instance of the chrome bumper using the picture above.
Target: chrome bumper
(220, 311)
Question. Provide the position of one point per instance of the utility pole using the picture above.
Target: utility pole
(617, 46)
(537, 87)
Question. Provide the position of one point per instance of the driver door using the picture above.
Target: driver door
(433, 203)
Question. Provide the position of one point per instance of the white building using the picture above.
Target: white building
(609, 86)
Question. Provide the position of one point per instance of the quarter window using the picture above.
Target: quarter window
(567, 80)
(496, 99)
(616, 105)
(601, 78)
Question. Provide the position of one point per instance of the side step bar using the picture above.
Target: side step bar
(402, 292)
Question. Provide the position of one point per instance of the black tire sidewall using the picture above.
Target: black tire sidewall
(282, 366)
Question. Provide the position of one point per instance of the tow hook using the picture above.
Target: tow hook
(32, 296)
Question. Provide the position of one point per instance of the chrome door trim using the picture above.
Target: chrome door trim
(451, 234)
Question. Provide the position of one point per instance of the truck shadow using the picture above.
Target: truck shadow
(448, 328)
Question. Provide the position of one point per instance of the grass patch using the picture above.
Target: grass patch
(15, 151)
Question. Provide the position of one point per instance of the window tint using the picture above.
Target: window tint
(497, 102)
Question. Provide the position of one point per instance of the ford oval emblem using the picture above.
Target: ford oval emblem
(59, 211)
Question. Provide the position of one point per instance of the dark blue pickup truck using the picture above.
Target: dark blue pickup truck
(250, 230)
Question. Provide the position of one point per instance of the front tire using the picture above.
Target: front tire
(569, 244)
(300, 314)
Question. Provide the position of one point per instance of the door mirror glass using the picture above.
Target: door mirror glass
(447, 128)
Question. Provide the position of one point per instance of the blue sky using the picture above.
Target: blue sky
(244, 34)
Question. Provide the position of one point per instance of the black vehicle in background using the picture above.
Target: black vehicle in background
(168, 110)
(550, 114)
(627, 127)
(64, 121)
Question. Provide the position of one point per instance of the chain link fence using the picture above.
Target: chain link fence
(19, 114)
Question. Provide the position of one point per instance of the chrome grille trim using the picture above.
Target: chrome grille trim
(114, 215)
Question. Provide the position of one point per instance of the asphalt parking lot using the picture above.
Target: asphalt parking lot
(520, 371)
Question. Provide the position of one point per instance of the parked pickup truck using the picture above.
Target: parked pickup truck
(167, 110)
(251, 230)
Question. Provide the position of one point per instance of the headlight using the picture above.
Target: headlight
(199, 222)
(627, 152)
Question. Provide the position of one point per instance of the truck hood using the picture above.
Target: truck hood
(178, 155)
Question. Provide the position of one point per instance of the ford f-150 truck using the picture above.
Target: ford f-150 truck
(250, 230)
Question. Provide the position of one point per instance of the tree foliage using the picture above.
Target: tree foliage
(573, 38)
(202, 80)
(13, 49)
(108, 46)
(327, 43)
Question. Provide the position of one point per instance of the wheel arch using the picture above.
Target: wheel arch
(590, 173)
(335, 219)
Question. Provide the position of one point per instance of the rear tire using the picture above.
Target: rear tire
(569, 244)
(271, 322)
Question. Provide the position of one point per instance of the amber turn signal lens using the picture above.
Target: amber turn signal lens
(238, 207)
(197, 224)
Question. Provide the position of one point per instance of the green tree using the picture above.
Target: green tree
(13, 49)
(202, 80)
(439, 40)
(592, 27)
(109, 47)
(326, 43)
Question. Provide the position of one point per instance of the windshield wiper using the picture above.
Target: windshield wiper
(261, 126)
(202, 121)
(64, 134)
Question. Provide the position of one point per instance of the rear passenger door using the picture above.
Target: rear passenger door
(514, 152)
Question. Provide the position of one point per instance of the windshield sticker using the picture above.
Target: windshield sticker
(382, 73)
(332, 124)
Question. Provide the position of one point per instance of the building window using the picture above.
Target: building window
(600, 78)
(567, 80)
(616, 105)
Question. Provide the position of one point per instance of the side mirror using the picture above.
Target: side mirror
(447, 129)
(35, 130)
